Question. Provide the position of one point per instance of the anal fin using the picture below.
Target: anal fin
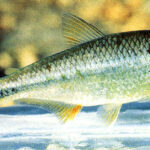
(63, 111)
(110, 113)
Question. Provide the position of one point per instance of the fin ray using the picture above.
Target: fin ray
(63, 111)
(77, 31)
(78, 22)
(110, 113)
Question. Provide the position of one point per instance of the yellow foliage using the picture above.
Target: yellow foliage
(139, 21)
(134, 4)
(115, 11)
(47, 2)
(6, 7)
(7, 22)
(26, 55)
(91, 10)
(5, 60)
(51, 20)
(65, 3)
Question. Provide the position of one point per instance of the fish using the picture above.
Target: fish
(96, 69)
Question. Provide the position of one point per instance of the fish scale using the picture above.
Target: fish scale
(106, 69)
(90, 55)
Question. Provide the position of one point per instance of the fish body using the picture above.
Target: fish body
(109, 69)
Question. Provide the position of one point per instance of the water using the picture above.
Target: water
(29, 128)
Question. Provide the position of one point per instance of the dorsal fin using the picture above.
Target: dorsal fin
(77, 31)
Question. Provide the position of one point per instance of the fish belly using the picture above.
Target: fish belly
(111, 86)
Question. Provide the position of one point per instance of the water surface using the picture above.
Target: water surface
(30, 128)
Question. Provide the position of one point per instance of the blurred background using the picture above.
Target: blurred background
(31, 29)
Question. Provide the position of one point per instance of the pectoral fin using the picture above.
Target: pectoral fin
(10, 70)
(63, 111)
(7, 103)
(110, 113)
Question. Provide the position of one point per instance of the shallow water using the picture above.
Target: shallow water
(29, 128)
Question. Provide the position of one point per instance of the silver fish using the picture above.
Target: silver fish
(98, 69)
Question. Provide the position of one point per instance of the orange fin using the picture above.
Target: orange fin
(69, 114)
(63, 111)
